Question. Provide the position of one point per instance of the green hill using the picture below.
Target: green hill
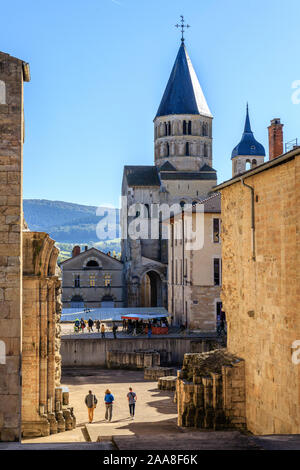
(69, 224)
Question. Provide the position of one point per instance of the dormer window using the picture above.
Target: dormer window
(92, 263)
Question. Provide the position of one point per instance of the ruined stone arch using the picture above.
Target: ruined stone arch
(53, 261)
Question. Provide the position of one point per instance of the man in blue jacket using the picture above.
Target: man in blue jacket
(108, 400)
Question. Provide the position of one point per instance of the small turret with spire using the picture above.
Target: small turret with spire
(248, 153)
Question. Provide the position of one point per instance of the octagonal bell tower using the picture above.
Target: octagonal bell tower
(183, 122)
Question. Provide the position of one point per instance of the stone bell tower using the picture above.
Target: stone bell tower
(183, 123)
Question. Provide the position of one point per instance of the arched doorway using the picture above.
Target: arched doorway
(151, 290)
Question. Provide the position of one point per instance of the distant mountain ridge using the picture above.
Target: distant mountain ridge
(65, 222)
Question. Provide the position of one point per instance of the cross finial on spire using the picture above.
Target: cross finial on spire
(182, 26)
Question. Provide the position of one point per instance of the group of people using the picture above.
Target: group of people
(91, 403)
(135, 327)
(80, 325)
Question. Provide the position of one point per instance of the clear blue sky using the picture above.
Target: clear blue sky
(99, 69)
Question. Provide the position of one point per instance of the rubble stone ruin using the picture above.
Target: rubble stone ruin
(210, 391)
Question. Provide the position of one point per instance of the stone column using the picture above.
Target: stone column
(12, 74)
(43, 344)
(208, 402)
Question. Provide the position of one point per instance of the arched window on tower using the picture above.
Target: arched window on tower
(167, 149)
(205, 150)
(190, 127)
(166, 129)
(187, 148)
(204, 129)
(248, 165)
(184, 127)
(253, 163)
(169, 128)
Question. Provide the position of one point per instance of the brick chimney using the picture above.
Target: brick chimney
(76, 251)
(275, 138)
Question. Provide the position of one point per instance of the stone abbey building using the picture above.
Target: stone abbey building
(182, 173)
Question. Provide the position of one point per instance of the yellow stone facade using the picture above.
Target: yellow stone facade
(261, 289)
(193, 293)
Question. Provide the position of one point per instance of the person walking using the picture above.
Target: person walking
(114, 329)
(98, 325)
(102, 331)
(76, 325)
(132, 398)
(90, 324)
(82, 325)
(149, 330)
(108, 400)
(91, 402)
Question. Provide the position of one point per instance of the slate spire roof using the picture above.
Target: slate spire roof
(183, 93)
(248, 145)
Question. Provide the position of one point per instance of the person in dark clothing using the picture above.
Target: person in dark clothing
(98, 325)
(114, 329)
(91, 402)
(90, 324)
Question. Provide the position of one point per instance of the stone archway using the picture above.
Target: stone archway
(151, 290)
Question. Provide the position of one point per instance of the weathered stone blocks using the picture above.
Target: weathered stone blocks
(132, 360)
(210, 391)
(167, 383)
(154, 373)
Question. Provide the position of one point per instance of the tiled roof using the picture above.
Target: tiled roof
(167, 166)
(212, 203)
(142, 175)
(189, 175)
(183, 94)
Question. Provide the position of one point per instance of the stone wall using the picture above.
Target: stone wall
(210, 391)
(261, 293)
(132, 360)
(12, 74)
(86, 351)
(42, 404)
